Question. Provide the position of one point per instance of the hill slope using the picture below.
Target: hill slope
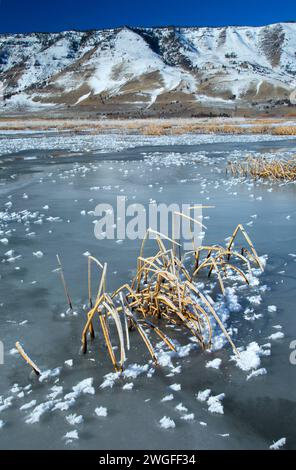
(151, 71)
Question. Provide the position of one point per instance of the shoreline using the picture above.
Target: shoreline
(152, 126)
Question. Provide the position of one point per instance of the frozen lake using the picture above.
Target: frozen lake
(49, 187)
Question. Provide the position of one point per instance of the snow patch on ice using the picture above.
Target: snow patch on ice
(278, 444)
(101, 411)
(214, 364)
(168, 397)
(167, 423)
(277, 335)
(257, 372)
(204, 395)
(249, 358)
(215, 405)
(74, 419)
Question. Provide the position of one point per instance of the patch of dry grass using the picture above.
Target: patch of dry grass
(155, 127)
(216, 128)
(284, 130)
(258, 167)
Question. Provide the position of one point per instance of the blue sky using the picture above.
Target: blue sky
(57, 15)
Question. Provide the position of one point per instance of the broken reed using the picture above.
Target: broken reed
(164, 289)
(258, 167)
(27, 359)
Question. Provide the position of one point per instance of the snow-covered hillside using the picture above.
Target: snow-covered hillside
(150, 70)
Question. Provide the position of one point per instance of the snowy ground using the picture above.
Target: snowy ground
(134, 70)
(82, 144)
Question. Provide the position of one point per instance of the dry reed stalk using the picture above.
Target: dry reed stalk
(64, 283)
(27, 359)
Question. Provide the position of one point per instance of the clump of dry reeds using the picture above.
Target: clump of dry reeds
(164, 291)
(258, 167)
(284, 130)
